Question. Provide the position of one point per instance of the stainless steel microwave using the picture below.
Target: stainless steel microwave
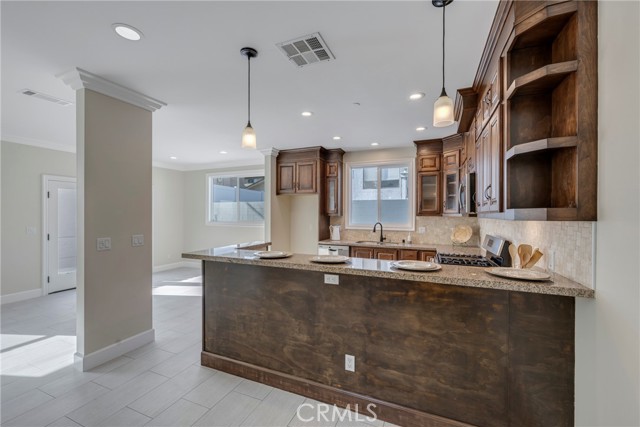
(467, 195)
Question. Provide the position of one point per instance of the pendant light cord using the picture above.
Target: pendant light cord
(444, 6)
(249, 88)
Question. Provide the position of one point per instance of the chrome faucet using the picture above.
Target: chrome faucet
(375, 226)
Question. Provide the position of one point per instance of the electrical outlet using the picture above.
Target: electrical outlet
(331, 279)
(137, 240)
(551, 260)
(421, 230)
(349, 363)
(104, 243)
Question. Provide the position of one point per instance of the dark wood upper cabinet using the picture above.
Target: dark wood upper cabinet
(307, 177)
(429, 176)
(286, 178)
(536, 118)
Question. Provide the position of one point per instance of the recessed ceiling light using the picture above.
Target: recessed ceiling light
(420, 129)
(307, 113)
(375, 144)
(127, 31)
(337, 138)
(416, 96)
(223, 152)
(173, 158)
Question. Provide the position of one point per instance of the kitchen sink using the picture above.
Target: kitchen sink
(376, 242)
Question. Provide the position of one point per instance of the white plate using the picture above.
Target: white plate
(416, 265)
(330, 259)
(518, 273)
(272, 254)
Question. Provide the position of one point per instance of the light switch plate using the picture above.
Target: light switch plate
(30, 230)
(137, 240)
(104, 243)
(349, 363)
(421, 230)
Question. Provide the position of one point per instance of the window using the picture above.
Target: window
(236, 198)
(380, 192)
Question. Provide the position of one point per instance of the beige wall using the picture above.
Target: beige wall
(114, 200)
(303, 229)
(22, 170)
(278, 210)
(168, 216)
(608, 327)
(199, 235)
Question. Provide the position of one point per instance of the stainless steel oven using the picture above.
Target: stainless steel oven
(467, 195)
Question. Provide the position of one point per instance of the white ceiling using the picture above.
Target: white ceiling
(190, 59)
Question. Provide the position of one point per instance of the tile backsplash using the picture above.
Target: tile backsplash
(437, 231)
(571, 242)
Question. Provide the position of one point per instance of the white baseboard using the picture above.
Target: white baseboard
(20, 296)
(165, 267)
(97, 358)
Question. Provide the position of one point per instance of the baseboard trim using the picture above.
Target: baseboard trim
(386, 411)
(97, 358)
(20, 296)
(180, 264)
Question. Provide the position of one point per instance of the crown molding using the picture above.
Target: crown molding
(270, 152)
(39, 143)
(77, 78)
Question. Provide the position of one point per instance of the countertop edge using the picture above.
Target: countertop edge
(571, 289)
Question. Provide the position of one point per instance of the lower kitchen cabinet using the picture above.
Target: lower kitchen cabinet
(359, 252)
(390, 254)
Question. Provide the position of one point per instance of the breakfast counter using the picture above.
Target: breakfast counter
(449, 275)
(454, 347)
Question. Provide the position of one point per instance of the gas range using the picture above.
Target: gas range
(497, 250)
(465, 260)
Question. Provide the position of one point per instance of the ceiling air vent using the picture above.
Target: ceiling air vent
(45, 97)
(306, 50)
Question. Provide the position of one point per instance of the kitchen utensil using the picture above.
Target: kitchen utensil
(534, 258)
(416, 265)
(330, 259)
(518, 273)
(461, 234)
(335, 232)
(272, 254)
(513, 251)
(525, 252)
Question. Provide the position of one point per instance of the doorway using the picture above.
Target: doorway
(59, 233)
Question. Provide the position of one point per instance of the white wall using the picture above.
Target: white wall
(168, 216)
(607, 328)
(197, 234)
(22, 170)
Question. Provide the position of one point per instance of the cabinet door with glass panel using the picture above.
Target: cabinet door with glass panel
(429, 193)
(380, 193)
(451, 200)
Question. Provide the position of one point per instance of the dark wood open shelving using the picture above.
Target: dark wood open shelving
(541, 80)
(541, 145)
(543, 26)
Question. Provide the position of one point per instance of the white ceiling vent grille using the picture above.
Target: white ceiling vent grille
(45, 97)
(306, 50)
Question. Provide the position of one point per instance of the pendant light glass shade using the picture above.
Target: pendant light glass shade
(443, 107)
(248, 134)
(249, 137)
(443, 111)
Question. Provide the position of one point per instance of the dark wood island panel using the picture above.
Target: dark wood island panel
(426, 354)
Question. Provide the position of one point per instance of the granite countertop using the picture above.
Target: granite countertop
(449, 275)
(459, 249)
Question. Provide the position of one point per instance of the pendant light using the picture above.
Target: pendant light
(248, 134)
(443, 107)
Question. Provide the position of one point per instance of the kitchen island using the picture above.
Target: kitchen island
(448, 348)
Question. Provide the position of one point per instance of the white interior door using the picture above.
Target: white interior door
(61, 235)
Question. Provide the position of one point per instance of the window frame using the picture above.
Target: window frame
(234, 174)
(410, 164)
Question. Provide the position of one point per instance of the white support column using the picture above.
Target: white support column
(114, 307)
(277, 208)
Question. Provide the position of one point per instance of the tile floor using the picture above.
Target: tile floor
(160, 384)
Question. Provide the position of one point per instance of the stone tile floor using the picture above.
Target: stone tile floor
(160, 384)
